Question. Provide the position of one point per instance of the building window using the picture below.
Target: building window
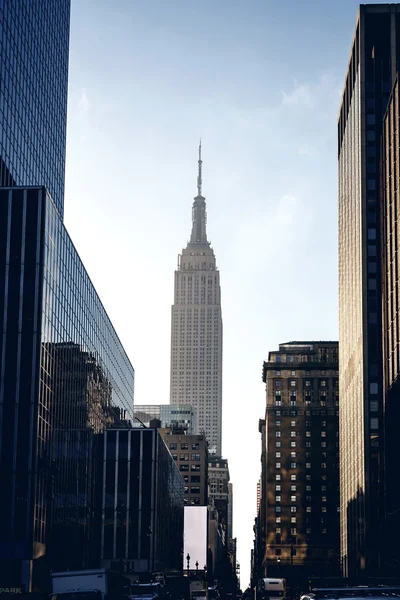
(308, 509)
(184, 468)
(278, 487)
(293, 383)
(195, 456)
(277, 454)
(293, 455)
(278, 465)
(278, 519)
(277, 477)
(293, 519)
(278, 444)
(195, 489)
(308, 383)
(293, 465)
(293, 509)
(278, 509)
(308, 433)
(308, 488)
(293, 531)
(278, 423)
(292, 434)
(277, 433)
(308, 444)
(293, 488)
(277, 383)
(293, 444)
(292, 498)
(278, 530)
(172, 446)
(194, 467)
(184, 457)
(293, 373)
(323, 509)
(293, 477)
(184, 446)
(323, 465)
(277, 498)
(195, 446)
(292, 423)
(323, 433)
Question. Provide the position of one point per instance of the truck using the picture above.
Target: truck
(198, 590)
(271, 588)
(88, 584)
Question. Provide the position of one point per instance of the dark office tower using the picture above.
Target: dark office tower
(372, 68)
(34, 40)
(142, 504)
(300, 464)
(64, 379)
(391, 322)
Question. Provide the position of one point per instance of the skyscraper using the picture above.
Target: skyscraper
(364, 463)
(34, 43)
(390, 212)
(64, 375)
(196, 328)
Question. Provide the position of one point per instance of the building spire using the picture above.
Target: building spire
(199, 215)
(199, 178)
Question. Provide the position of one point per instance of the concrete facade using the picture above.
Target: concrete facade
(196, 329)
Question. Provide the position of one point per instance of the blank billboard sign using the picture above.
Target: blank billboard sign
(195, 536)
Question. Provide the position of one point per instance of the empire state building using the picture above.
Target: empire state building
(196, 328)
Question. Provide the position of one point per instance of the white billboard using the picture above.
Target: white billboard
(195, 537)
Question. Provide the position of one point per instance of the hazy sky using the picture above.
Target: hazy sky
(260, 82)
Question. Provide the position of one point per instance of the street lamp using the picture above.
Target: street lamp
(188, 561)
(197, 565)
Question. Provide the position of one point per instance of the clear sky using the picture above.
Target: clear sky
(260, 82)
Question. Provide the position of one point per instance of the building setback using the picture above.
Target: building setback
(142, 514)
(64, 378)
(196, 328)
(299, 533)
(365, 410)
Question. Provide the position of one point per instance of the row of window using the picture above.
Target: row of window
(185, 457)
(294, 433)
(184, 446)
(195, 489)
(185, 468)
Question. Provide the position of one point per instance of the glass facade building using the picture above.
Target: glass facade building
(142, 514)
(374, 58)
(34, 42)
(183, 416)
(64, 379)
